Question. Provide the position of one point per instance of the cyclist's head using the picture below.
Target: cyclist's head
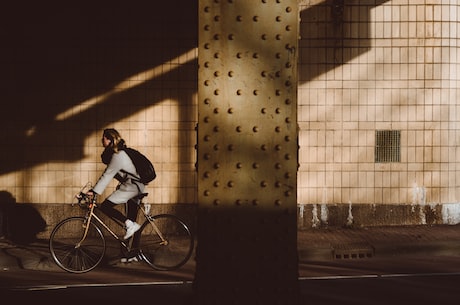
(114, 137)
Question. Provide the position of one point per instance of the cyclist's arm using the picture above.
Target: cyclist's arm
(115, 165)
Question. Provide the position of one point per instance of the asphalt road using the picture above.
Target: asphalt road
(403, 280)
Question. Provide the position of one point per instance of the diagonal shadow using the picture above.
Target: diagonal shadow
(54, 57)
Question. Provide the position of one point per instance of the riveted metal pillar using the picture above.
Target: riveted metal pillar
(247, 152)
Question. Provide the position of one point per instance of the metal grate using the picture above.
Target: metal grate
(387, 146)
(353, 251)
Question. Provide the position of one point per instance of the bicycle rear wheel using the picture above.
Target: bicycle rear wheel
(172, 252)
(69, 253)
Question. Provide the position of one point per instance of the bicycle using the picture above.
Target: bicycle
(77, 244)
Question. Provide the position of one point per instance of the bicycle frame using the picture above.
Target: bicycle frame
(91, 214)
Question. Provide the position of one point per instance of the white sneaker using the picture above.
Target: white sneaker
(131, 228)
(129, 260)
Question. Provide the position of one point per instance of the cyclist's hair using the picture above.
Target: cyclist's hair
(114, 136)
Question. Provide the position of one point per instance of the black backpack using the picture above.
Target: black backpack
(143, 165)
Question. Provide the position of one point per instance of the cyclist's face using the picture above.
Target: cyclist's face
(105, 142)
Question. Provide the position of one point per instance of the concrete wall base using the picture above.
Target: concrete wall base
(365, 215)
(309, 215)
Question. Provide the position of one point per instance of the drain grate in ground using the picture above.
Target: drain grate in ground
(352, 251)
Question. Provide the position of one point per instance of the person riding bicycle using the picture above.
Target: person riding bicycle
(118, 163)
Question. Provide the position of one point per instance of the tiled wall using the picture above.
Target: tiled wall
(369, 65)
(379, 65)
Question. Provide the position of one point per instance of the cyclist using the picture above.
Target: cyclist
(118, 162)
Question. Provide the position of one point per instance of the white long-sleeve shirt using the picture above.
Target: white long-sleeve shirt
(125, 190)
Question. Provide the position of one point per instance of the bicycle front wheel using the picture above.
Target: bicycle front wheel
(71, 250)
(170, 247)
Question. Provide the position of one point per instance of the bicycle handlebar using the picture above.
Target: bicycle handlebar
(84, 199)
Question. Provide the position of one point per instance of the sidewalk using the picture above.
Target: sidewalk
(313, 245)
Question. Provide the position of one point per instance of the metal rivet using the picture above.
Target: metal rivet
(206, 64)
(287, 193)
(216, 55)
(278, 55)
(287, 101)
(288, 120)
(278, 37)
(231, 184)
(255, 129)
(256, 92)
(239, 128)
(278, 18)
(255, 18)
(278, 165)
(287, 156)
(206, 82)
(216, 165)
(255, 55)
(231, 73)
(231, 37)
(277, 129)
(239, 92)
(239, 202)
(288, 28)
(239, 55)
(207, 45)
(255, 202)
(263, 110)
(278, 147)
(207, 156)
(207, 27)
(206, 119)
(239, 165)
(287, 138)
(207, 174)
(207, 9)
(230, 110)
(216, 129)
(288, 9)
(230, 147)
(216, 73)
(278, 92)
(264, 36)
(207, 193)
(287, 175)
(216, 110)
(206, 138)
(278, 184)
(278, 110)
(216, 37)
(263, 147)
(216, 147)
(263, 184)
(216, 183)
(216, 92)
(239, 18)
(278, 202)
(216, 202)
(255, 165)
(207, 101)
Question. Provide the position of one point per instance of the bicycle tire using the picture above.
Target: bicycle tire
(179, 247)
(63, 240)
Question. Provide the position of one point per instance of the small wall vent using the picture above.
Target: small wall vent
(387, 146)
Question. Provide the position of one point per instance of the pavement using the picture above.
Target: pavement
(314, 244)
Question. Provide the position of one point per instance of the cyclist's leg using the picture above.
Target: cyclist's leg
(108, 208)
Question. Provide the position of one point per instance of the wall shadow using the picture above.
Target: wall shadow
(19, 223)
(54, 56)
(333, 33)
